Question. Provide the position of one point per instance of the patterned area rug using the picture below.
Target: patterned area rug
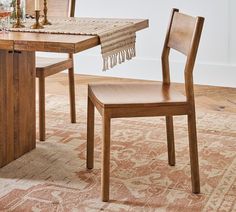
(53, 177)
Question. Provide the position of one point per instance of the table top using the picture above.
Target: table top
(22, 41)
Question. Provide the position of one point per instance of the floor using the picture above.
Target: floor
(53, 177)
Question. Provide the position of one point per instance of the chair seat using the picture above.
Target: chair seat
(125, 95)
(52, 65)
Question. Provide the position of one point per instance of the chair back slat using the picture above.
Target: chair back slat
(58, 8)
(181, 32)
(183, 35)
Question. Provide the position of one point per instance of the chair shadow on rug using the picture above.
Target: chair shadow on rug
(151, 99)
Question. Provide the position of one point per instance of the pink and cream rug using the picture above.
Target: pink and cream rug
(53, 177)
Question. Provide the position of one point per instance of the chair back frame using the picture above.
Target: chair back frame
(58, 10)
(183, 35)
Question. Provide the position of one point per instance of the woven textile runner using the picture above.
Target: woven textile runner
(117, 36)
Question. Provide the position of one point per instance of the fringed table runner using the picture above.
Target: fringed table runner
(117, 36)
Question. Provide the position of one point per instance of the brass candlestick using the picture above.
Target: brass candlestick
(37, 25)
(18, 23)
(45, 11)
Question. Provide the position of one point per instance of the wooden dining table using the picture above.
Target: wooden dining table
(17, 83)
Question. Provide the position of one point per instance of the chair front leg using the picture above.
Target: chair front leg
(90, 134)
(170, 140)
(105, 173)
(193, 153)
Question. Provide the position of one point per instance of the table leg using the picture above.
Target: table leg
(17, 110)
(6, 108)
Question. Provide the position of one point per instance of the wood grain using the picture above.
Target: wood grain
(90, 133)
(17, 108)
(41, 89)
(133, 94)
(6, 108)
(181, 32)
(153, 99)
(24, 103)
(105, 170)
(170, 140)
(60, 43)
(49, 66)
(17, 83)
(71, 79)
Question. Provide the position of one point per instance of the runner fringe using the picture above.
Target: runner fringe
(109, 61)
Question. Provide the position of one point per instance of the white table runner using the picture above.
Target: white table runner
(117, 36)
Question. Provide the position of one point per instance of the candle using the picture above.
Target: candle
(37, 6)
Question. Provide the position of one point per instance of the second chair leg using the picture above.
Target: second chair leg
(90, 134)
(72, 95)
(170, 140)
(193, 153)
(42, 109)
(105, 175)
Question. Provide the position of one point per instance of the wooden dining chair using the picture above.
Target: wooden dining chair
(151, 99)
(48, 66)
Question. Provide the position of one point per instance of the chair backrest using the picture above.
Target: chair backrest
(183, 35)
(57, 8)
